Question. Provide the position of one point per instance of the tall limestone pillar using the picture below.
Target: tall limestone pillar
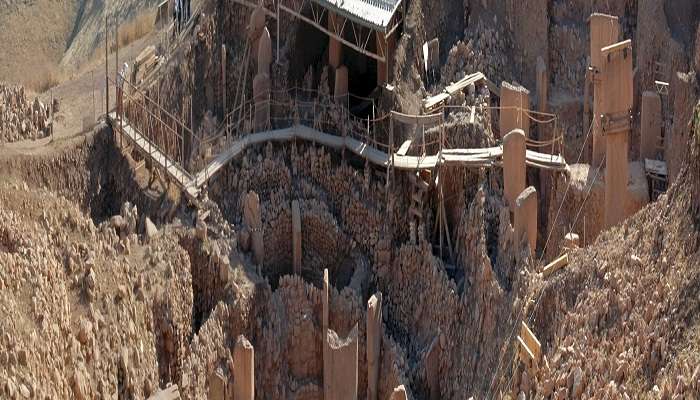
(262, 85)
(526, 218)
(651, 125)
(374, 344)
(324, 318)
(296, 237)
(617, 90)
(255, 29)
(399, 393)
(342, 366)
(515, 101)
(605, 30)
(514, 151)
(243, 370)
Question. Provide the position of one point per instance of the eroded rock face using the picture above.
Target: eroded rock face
(20, 117)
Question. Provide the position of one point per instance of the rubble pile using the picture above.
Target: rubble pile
(72, 288)
(20, 117)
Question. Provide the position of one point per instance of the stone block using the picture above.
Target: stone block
(526, 218)
(252, 217)
(335, 48)
(514, 167)
(217, 386)
(399, 393)
(261, 95)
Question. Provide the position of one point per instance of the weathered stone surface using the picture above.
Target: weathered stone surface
(243, 370)
(342, 366)
(526, 218)
(515, 102)
(514, 167)
(252, 217)
(150, 229)
(374, 343)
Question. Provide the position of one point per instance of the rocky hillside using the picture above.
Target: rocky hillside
(622, 320)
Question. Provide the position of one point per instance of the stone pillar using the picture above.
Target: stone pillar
(651, 125)
(243, 370)
(617, 92)
(514, 151)
(571, 241)
(342, 366)
(374, 344)
(341, 83)
(432, 367)
(511, 118)
(382, 50)
(605, 30)
(335, 48)
(399, 393)
(542, 85)
(255, 29)
(261, 95)
(252, 217)
(264, 51)
(217, 386)
(324, 319)
(296, 236)
(526, 218)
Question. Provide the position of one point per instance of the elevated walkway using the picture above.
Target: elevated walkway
(192, 184)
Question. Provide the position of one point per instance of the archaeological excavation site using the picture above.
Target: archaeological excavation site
(350, 199)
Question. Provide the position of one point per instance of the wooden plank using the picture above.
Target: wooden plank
(404, 148)
(555, 265)
(531, 341)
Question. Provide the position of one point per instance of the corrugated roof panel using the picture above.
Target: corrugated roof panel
(374, 14)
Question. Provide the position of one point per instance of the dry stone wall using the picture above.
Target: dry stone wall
(20, 117)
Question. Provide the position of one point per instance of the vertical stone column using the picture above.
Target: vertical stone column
(252, 217)
(514, 151)
(261, 83)
(605, 30)
(542, 85)
(342, 376)
(511, 118)
(432, 366)
(296, 236)
(243, 370)
(399, 393)
(324, 318)
(374, 344)
(617, 92)
(526, 218)
(341, 83)
(335, 48)
(651, 125)
(217, 386)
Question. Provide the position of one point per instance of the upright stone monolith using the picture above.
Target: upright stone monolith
(243, 370)
(252, 217)
(526, 218)
(515, 102)
(342, 366)
(651, 126)
(514, 152)
(296, 237)
(374, 343)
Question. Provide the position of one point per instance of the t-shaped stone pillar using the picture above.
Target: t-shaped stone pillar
(253, 219)
(342, 366)
(374, 343)
(651, 125)
(542, 85)
(514, 151)
(243, 370)
(264, 50)
(617, 91)
(605, 29)
(296, 236)
(515, 101)
(526, 218)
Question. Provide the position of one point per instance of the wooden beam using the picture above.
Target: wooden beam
(530, 340)
(555, 265)
(333, 35)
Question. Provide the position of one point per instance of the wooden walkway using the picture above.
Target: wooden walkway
(191, 185)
